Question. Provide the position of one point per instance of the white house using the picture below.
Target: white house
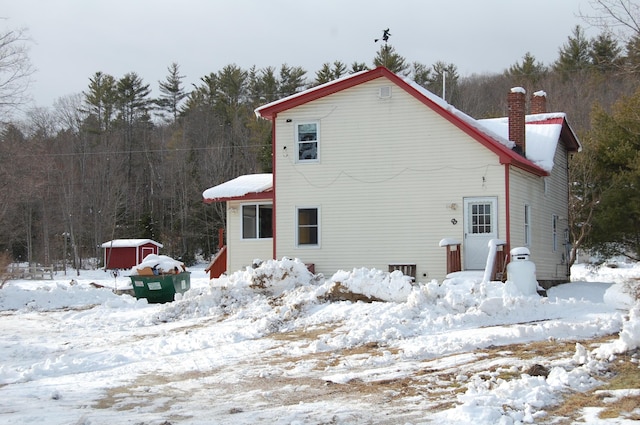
(372, 170)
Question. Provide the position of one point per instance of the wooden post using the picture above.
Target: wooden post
(453, 257)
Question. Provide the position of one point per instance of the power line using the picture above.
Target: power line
(127, 152)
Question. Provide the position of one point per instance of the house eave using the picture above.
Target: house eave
(266, 195)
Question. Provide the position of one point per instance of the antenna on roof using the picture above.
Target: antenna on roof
(385, 36)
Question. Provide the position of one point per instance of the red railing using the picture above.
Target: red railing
(219, 263)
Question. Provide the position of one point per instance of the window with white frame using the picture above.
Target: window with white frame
(307, 142)
(554, 232)
(527, 225)
(308, 226)
(257, 221)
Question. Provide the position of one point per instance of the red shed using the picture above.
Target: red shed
(126, 253)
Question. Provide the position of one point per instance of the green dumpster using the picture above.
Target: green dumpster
(160, 288)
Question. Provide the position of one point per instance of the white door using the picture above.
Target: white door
(480, 226)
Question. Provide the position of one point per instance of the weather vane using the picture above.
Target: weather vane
(385, 36)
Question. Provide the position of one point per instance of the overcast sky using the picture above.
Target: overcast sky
(73, 39)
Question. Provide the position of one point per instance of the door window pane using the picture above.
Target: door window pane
(480, 218)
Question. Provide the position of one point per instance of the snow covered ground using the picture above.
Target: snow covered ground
(276, 345)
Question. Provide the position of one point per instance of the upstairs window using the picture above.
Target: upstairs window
(256, 221)
(307, 141)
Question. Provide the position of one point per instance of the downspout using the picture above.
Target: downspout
(273, 182)
(507, 202)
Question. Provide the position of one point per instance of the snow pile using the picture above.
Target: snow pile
(629, 337)
(490, 399)
(58, 296)
(272, 277)
(374, 284)
(625, 293)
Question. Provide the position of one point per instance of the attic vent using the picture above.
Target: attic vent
(384, 92)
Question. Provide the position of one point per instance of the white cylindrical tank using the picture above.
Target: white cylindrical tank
(522, 272)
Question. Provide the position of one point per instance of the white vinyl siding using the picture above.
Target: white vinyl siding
(244, 250)
(375, 172)
(548, 197)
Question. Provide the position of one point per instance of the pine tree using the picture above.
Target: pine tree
(574, 54)
(605, 53)
(444, 80)
(292, 80)
(132, 98)
(328, 73)
(100, 100)
(632, 57)
(357, 67)
(421, 74)
(391, 60)
(529, 71)
(171, 92)
(616, 223)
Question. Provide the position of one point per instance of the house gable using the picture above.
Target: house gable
(470, 126)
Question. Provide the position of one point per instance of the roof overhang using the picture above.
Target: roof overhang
(250, 187)
(129, 243)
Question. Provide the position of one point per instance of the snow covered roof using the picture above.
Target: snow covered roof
(240, 188)
(542, 133)
(128, 243)
(541, 141)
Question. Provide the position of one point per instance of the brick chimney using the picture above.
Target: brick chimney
(516, 105)
(539, 102)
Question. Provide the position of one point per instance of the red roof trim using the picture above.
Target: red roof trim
(265, 195)
(506, 155)
(270, 111)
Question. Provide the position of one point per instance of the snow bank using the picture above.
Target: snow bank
(629, 338)
(58, 296)
(374, 284)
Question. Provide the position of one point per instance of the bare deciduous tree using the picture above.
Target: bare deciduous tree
(621, 16)
(15, 69)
